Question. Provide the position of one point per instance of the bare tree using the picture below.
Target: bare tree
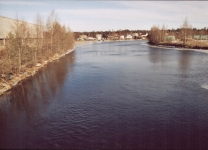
(49, 39)
(154, 35)
(186, 29)
(52, 18)
(16, 41)
(39, 29)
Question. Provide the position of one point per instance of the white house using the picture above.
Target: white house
(144, 36)
(135, 34)
(90, 39)
(122, 37)
(128, 37)
(99, 37)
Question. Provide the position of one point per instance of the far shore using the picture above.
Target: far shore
(161, 45)
(179, 47)
(8, 85)
(95, 41)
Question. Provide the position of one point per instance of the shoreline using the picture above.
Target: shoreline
(179, 47)
(8, 85)
(84, 42)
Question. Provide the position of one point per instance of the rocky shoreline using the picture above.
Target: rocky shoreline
(14, 80)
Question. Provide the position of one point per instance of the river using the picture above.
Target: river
(111, 95)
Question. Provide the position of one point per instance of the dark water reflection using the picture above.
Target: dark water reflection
(23, 106)
(111, 95)
(185, 60)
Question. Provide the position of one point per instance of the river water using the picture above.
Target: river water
(111, 95)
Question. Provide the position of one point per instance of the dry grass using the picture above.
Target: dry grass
(27, 72)
(193, 43)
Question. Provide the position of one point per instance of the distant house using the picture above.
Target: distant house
(99, 37)
(139, 35)
(128, 37)
(196, 37)
(200, 37)
(135, 35)
(204, 37)
(169, 38)
(90, 39)
(122, 37)
(144, 36)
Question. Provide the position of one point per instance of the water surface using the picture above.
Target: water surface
(111, 95)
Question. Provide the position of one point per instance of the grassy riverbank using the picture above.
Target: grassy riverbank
(189, 45)
(6, 85)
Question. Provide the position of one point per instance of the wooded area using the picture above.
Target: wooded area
(183, 35)
(105, 34)
(25, 46)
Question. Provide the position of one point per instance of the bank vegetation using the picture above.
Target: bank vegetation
(184, 37)
(27, 49)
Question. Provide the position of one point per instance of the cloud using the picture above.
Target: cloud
(195, 9)
(135, 14)
(116, 14)
(22, 3)
(143, 14)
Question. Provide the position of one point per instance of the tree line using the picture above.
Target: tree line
(26, 46)
(105, 34)
(185, 32)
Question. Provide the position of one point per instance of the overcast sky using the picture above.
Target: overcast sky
(112, 15)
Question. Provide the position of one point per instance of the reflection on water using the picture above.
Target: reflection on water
(31, 98)
(115, 95)
(165, 56)
(184, 60)
(158, 55)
